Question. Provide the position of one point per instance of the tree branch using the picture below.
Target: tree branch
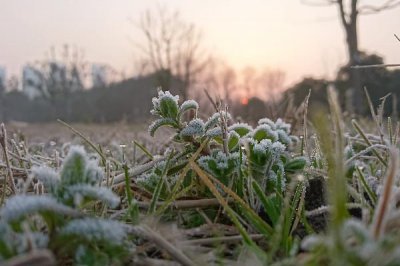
(319, 2)
(343, 15)
(371, 9)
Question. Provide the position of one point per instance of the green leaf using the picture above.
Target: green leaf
(263, 133)
(188, 105)
(271, 206)
(74, 166)
(240, 128)
(169, 108)
(159, 123)
(295, 164)
(233, 141)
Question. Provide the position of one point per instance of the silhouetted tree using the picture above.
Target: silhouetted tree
(375, 80)
(62, 75)
(172, 47)
(349, 12)
(251, 111)
(318, 89)
(222, 80)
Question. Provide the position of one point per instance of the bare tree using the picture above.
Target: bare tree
(62, 72)
(221, 79)
(172, 49)
(349, 11)
(249, 81)
(272, 80)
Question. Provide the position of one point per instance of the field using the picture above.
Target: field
(187, 191)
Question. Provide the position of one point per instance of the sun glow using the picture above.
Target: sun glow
(244, 101)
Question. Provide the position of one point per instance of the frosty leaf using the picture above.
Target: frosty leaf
(46, 175)
(278, 148)
(215, 119)
(266, 121)
(280, 124)
(233, 141)
(23, 242)
(80, 192)
(165, 105)
(265, 132)
(19, 206)
(159, 123)
(92, 230)
(169, 108)
(212, 121)
(215, 132)
(93, 173)
(284, 137)
(295, 164)
(312, 241)
(241, 128)
(194, 128)
(12, 243)
(74, 166)
(220, 165)
(188, 105)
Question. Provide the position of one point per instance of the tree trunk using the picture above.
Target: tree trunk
(354, 59)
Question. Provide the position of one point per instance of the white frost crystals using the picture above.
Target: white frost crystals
(93, 229)
(195, 128)
(163, 97)
(78, 180)
(34, 221)
(19, 206)
(47, 176)
(81, 191)
(78, 168)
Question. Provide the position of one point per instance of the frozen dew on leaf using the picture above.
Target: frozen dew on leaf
(241, 128)
(265, 131)
(280, 124)
(194, 128)
(159, 123)
(215, 119)
(46, 175)
(94, 229)
(78, 168)
(165, 105)
(80, 192)
(74, 166)
(215, 132)
(188, 105)
(19, 206)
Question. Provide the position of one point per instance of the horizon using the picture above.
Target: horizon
(298, 39)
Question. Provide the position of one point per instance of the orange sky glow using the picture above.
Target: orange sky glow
(286, 34)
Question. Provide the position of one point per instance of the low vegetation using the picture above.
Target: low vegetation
(220, 192)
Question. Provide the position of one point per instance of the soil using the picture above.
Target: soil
(315, 197)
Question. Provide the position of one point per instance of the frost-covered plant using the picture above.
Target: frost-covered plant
(77, 181)
(221, 165)
(234, 150)
(55, 219)
(357, 247)
(12, 242)
(86, 235)
(170, 113)
(150, 179)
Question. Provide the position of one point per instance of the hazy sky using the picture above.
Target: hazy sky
(285, 34)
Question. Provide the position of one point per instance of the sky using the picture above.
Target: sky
(298, 39)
